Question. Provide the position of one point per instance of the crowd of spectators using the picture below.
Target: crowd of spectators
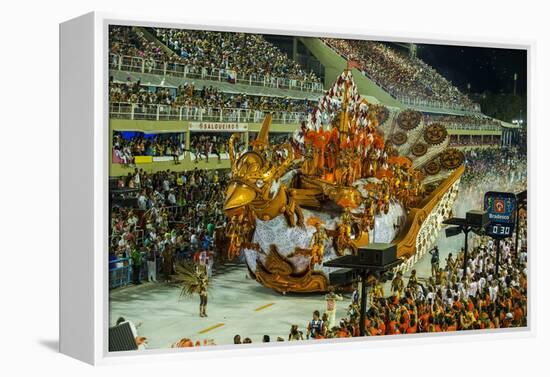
(491, 169)
(205, 145)
(401, 75)
(201, 146)
(126, 40)
(139, 144)
(175, 216)
(188, 95)
(244, 53)
(452, 300)
(135, 93)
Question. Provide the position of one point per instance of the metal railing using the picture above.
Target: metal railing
(120, 273)
(137, 111)
(158, 67)
(467, 126)
(437, 104)
(489, 143)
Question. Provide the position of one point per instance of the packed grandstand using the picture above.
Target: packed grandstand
(169, 175)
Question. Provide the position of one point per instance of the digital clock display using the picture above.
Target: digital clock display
(499, 230)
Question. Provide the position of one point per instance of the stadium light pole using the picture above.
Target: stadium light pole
(462, 226)
(362, 269)
(466, 231)
(475, 221)
(362, 314)
(498, 258)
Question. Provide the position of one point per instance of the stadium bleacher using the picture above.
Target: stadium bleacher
(409, 79)
(246, 58)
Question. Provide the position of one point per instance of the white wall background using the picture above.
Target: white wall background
(29, 211)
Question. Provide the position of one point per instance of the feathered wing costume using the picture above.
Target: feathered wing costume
(194, 280)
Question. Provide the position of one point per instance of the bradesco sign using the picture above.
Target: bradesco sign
(501, 209)
(218, 127)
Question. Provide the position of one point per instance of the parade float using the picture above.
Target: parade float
(353, 174)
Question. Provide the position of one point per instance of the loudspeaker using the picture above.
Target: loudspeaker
(477, 218)
(377, 254)
(121, 338)
(342, 276)
(452, 231)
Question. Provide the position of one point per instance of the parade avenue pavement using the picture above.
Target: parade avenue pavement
(237, 304)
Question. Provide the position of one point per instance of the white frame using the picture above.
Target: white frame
(84, 125)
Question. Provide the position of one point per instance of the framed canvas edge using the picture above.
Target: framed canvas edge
(101, 169)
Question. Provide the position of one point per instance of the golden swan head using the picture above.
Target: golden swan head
(252, 172)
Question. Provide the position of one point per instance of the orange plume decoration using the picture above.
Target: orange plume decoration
(378, 141)
(347, 203)
(314, 220)
(400, 160)
(383, 173)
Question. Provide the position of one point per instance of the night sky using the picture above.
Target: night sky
(486, 69)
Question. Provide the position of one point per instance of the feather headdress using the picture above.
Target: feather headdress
(192, 277)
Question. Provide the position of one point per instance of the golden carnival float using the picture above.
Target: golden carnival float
(353, 174)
